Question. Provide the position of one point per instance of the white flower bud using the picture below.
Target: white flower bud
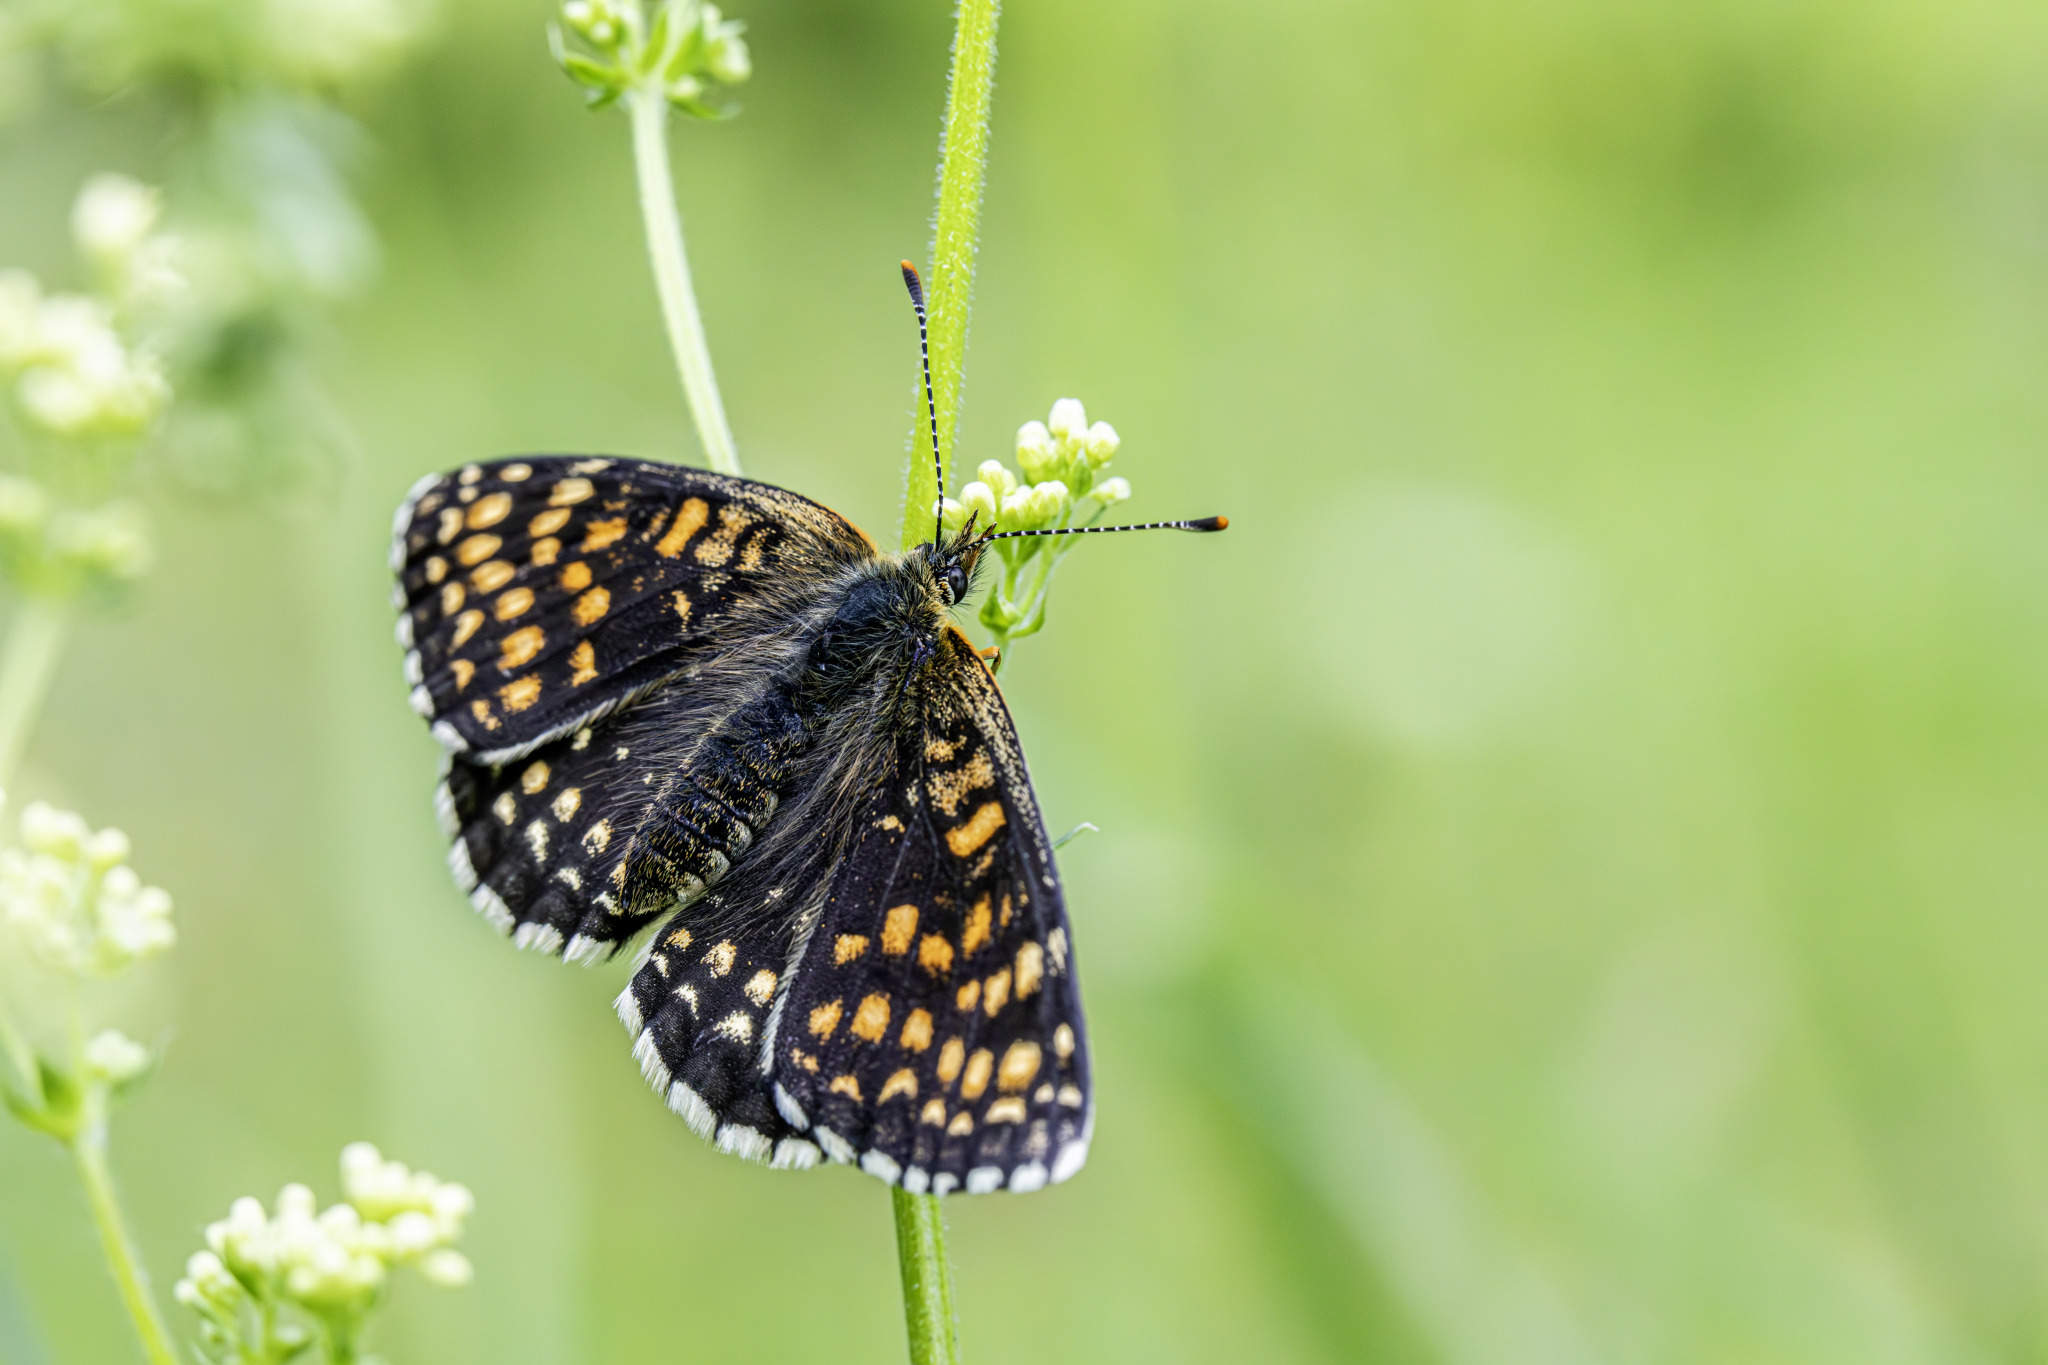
(207, 1283)
(295, 1201)
(978, 500)
(1110, 492)
(114, 1057)
(112, 216)
(413, 1234)
(726, 56)
(951, 516)
(1036, 453)
(1017, 510)
(452, 1204)
(1048, 501)
(448, 1268)
(1069, 421)
(998, 477)
(1101, 444)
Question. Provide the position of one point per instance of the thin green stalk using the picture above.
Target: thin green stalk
(963, 166)
(28, 659)
(927, 1279)
(664, 225)
(88, 1150)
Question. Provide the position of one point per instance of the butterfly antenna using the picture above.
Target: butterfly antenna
(931, 404)
(1199, 524)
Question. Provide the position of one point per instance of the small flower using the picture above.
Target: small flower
(1037, 453)
(209, 1285)
(998, 477)
(978, 500)
(725, 53)
(447, 1268)
(1101, 444)
(113, 215)
(70, 893)
(112, 1056)
(1068, 422)
(81, 379)
(1049, 501)
(1110, 492)
(329, 1264)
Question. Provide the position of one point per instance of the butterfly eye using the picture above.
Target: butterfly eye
(955, 580)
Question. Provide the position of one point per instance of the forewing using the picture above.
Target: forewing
(933, 1031)
(537, 594)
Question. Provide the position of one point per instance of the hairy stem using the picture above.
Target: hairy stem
(927, 1279)
(963, 166)
(664, 225)
(89, 1154)
(27, 661)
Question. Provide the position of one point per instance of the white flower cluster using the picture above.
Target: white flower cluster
(74, 373)
(1065, 462)
(332, 1263)
(1063, 459)
(69, 892)
(682, 48)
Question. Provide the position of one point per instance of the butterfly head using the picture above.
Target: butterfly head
(953, 562)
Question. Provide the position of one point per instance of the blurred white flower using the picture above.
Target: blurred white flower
(81, 379)
(112, 216)
(1101, 443)
(208, 1284)
(1110, 492)
(1069, 421)
(114, 1057)
(76, 903)
(1036, 450)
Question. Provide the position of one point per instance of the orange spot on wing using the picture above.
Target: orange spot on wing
(690, 519)
(897, 930)
(986, 820)
(583, 663)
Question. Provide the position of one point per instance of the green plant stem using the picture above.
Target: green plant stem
(927, 1278)
(89, 1154)
(649, 110)
(963, 166)
(27, 661)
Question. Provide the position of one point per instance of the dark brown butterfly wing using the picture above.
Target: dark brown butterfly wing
(925, 1021)
(572, 627)
(538, 594)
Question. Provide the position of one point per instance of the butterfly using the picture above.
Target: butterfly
(704, 705)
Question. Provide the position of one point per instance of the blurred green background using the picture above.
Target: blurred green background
(1573, 858)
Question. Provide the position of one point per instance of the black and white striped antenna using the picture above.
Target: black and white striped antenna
(931, 404)
(1199, 524)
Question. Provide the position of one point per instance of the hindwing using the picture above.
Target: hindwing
(539, 593)
(926, 1020)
